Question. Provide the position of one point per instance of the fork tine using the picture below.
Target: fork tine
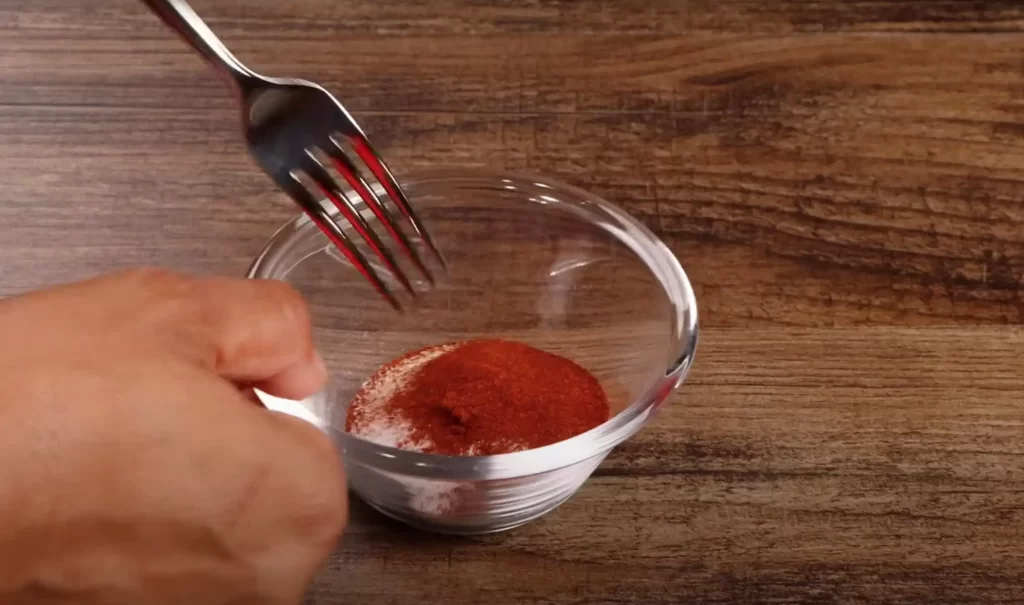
(380, 170)
(316, 171)
(320, 217)
(353, 176)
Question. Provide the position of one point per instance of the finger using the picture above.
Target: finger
(297, 381)
(307, 470)
(289, 482)
(323, 477)
(252, 331)
(250, 395)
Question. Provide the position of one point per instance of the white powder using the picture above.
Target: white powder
(375, 422)
(432, 496)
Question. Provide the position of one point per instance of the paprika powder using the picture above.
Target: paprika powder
(476, 398)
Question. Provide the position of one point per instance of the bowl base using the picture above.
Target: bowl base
(469, 529)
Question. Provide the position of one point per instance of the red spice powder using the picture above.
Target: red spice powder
(488, 397)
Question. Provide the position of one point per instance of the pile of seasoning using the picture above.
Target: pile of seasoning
(477, 398)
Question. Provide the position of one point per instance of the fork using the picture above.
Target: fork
(295, 129)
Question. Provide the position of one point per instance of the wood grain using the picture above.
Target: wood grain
(302, 18)
(797, 466)
(868, 178)
(841, 179)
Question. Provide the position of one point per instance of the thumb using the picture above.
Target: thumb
(308, 503)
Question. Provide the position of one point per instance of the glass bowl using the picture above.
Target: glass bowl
(530, 259)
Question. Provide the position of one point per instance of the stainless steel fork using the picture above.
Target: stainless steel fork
(295, 129)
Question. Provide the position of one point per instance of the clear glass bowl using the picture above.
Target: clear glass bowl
(530, 259)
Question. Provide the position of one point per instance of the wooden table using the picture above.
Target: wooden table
(842, 179)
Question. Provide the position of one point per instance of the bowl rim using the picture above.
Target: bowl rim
(655, 255)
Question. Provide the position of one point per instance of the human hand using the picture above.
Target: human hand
(132, 467)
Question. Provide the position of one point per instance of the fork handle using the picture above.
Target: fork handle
(180, 17)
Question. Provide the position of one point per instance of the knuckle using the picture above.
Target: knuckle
(331, 512)
(156, 279)
(291, 487)
(158, 295)
(326, 495)
(332, 518)
(172, 305)
(290, 310)
(292, 305)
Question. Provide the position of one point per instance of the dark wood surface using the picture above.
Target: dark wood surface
(842, 179)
